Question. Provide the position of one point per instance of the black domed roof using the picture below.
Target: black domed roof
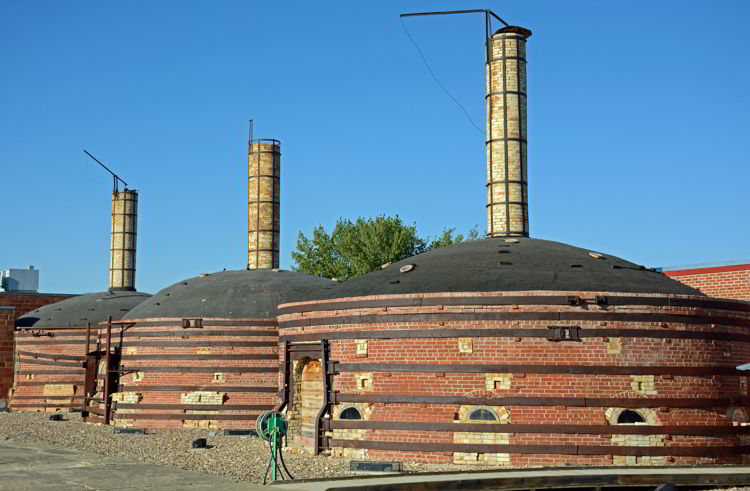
(522, 264)
(83, 309)
(253, 293)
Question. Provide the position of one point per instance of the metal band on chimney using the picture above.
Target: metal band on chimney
(263, 190)
(507, 165)
(123, 242)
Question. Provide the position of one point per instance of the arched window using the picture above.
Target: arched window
(350, 413)
(628, 417)
(483, 414)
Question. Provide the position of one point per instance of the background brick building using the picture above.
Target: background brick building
(723, 279)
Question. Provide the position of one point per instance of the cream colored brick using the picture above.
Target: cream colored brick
(127, 397)
(202, 397)
(204, 350)
(643, 384)
(361, 346)
(497, 381)
(131, 350)
(614, 345)
(465, 345)
(59, 390)
(364, 381)
(218, 378)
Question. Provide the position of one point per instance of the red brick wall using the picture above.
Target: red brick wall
(7, 322)
(234, 357)
(689, 345)
(722, 281)
(51, 374)
(26, 302)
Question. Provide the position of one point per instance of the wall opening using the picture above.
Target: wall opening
(350, 413)
(483, 414)
(628, 417)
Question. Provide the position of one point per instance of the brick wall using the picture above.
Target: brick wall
(222, 374)
(417, 367)
(26, 302)
(722, 281)
(7, 323)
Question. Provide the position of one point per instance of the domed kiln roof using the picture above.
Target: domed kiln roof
(522, 264)
(82, 309)
(253, 293)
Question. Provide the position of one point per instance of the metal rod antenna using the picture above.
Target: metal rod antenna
(443, 13)
(115, 177)
(250, 137)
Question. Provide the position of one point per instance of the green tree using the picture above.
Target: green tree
(356, 248)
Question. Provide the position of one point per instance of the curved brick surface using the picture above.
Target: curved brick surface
(670, 358)
(230, 366)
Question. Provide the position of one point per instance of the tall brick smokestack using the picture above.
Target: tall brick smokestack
(122, 245)
(507, 169)
(263, 186)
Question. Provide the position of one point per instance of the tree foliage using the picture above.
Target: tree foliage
(356, 248)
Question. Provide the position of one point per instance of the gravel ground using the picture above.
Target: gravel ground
(233, 457)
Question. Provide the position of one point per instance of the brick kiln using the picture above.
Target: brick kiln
(204, 351)
(516, 351)
(52, 341)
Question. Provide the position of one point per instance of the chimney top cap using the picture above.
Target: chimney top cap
(515, 29)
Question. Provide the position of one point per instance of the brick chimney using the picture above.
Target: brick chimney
(263, 192)
(124, 232)
(507, 175)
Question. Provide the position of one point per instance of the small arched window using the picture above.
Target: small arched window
(483, 414)
(628, 417)
(350, 413)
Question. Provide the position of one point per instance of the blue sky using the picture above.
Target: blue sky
(638, 126)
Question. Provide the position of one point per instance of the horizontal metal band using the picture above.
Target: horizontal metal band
(516, 300)
(51, 335)
(32, 361)
(52, 328)
(697, 371)
(512, 181)
(512, 300)
(207, 323)
(264, 230)
(265, 151)
(440, 332)
(264, 201)
(462, 426)
(15, 397)
(498, 203)
(214, 344)
(207, 357)
(71, 382)
(194, 388)
(501, 58)
(636, 402)
(199, 332)
(79, 371)
(251, 416)
(263, 250)
(581, 316)
(707, 451)
(503, 92)
(183, 332)
(505, 139)
(271, 369)
(45, 404)
(267, 176)
(207, 407)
